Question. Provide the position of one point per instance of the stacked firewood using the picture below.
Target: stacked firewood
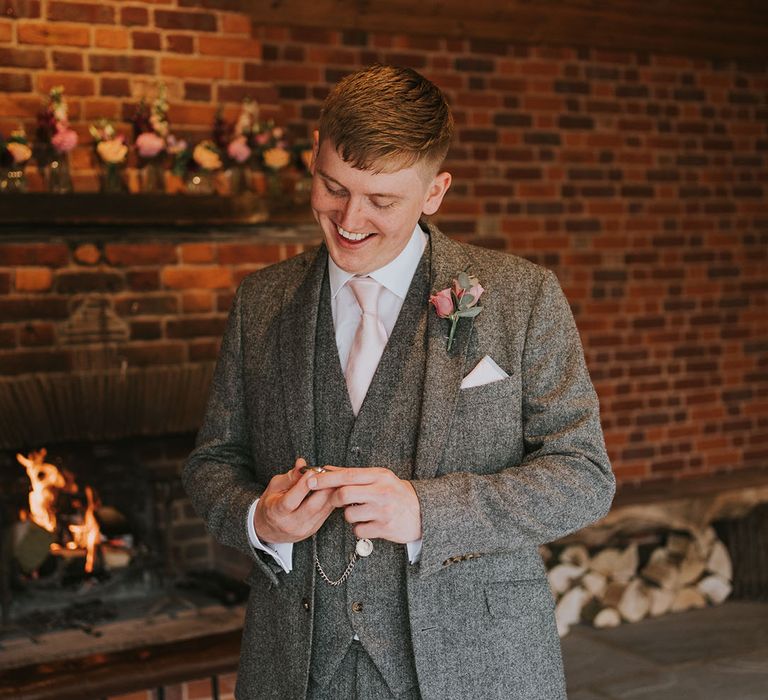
(646, 577)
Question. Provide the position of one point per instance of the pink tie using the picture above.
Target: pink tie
(369, 342)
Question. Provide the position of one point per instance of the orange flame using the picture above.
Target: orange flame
(46, 481)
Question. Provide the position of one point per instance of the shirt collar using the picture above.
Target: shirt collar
(396, 276)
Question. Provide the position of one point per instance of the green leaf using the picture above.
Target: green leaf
(466, 301)
(464, 281)
(470, 313)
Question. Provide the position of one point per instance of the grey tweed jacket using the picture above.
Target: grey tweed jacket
(500, 469)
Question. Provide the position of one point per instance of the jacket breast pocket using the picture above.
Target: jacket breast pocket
(485, 435)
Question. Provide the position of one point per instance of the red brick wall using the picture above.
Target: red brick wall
(640, 179)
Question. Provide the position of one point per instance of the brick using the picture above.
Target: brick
(197, 92)
(179, 43)
(121, 254)
(54, 34)
(153, 353)
(8, 337)
(110, 38)
(20, 9)
(257, 72)
(37, 334)
(91, 13)
(193, 67)
(25, 308)
(109, 63)
(229, 46)
(115, 87)
(146, 305)
(6, 31)
(15, 82)
(197, 302)
(192, 114)
(87, 254)
(143, 280)
(146, 41)
(196, 277)
(145, 330)
(22, 58)
(66, 60)
(198, 253)
(234, 23)
(199, 21)
(73, 84)
(50, 254)
(196, 327)
(5, 282)
(34, 361)
(33, 279)
(91, 281)
(134, 16)
(240, 253)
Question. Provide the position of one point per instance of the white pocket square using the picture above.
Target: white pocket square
(485, 372)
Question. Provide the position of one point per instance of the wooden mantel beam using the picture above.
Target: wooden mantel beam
(724, 29)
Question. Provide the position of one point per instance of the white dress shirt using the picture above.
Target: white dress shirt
(396, 278)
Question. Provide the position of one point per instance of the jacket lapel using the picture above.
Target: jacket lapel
(298, 326)
(444, 370)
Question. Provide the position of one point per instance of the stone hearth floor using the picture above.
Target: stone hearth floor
(718, 653)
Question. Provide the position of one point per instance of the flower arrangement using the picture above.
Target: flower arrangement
(111, 152)
(55, 139)
(153, 140)
(458, 301)
(14, 154)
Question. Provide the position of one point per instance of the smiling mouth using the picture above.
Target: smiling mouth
(353, 237)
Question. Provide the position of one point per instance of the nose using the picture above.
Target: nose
(353, 216)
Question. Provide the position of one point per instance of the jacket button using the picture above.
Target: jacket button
(305, 603)
(357, 607)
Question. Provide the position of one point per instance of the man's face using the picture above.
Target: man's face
(368, 218)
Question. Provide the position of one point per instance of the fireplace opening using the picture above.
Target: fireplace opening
(101, 533)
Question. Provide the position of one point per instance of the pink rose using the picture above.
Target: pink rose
(476, 291)
(262, 139)
(149, 144)
(238, 150)
(64, 140)
(443, 303)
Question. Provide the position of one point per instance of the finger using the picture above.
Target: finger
(359, 514)
(295, 495)
(349, 495)
(295, 473)
(334, 478)
(372, 530)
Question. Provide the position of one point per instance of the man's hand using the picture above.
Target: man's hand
(377, 503)
(285, 513)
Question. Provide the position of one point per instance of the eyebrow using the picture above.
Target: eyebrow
(384, 195)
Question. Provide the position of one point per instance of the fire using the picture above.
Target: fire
(46, 482)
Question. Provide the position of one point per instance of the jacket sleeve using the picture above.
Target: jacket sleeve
(218, 475)
(564, 481)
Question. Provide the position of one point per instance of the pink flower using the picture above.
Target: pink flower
(262, 139)
(149, 144)
(475, 291)
(64, 140)
(238, 150)
(443, 303)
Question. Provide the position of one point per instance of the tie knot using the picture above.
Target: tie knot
(366, 291)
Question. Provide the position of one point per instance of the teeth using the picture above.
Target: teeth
(352, 236)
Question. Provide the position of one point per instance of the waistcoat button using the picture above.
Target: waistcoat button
(357, 607)
(305, 603)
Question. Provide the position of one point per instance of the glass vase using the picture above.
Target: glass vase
(111, 180)
(153, 178)
(200, 182)
(57, 176)
(13, 179)
(239, 179)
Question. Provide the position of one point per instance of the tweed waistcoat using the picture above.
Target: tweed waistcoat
(372, 602)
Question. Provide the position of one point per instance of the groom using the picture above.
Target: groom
(392, 487)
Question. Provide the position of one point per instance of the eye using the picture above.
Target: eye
(334, 192)
(383, 206)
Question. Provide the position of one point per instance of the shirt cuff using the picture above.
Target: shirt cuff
(414, 551)
(281, 552)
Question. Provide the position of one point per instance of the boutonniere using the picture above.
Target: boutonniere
(458, 301)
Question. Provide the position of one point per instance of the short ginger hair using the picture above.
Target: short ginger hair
(385, 118)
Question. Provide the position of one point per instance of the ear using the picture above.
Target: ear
(315, 149)
(437, 189)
